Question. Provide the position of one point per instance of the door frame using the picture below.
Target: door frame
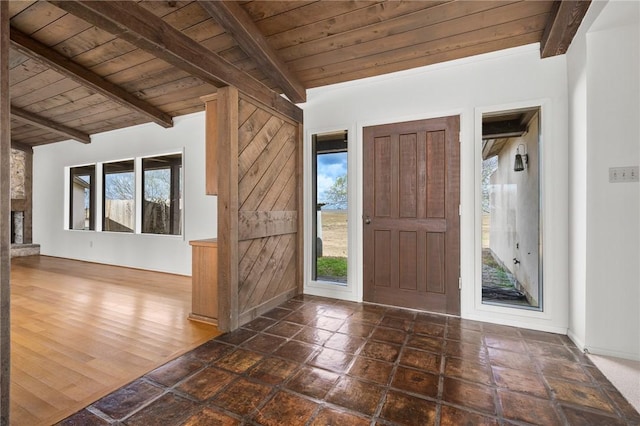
(355, 286)
(448, 302)
(353, 290)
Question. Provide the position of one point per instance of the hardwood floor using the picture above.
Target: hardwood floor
(81, 330)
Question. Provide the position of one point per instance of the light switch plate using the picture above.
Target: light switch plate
(623, 174)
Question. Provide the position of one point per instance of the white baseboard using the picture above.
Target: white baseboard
(576, 340)
(616, 354)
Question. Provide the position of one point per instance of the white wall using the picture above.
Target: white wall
(153, 252)
(515, 78)
(611, 283)
(577, 87)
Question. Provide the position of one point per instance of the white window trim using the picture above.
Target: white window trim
(322, 288)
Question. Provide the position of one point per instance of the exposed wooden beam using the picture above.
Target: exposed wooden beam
(65, 66)
(563, 23)
(45, 123)
(21, 146)
(5, 215)
(150, 33)
(503, 129)
(237, 22)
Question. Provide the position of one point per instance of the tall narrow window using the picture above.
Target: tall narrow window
(119, 196)
(511, 227)
(162, 199)
(329, 245)
(82, 198)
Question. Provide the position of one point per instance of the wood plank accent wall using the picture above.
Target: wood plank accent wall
(259, 187)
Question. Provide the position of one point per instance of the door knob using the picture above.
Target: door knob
(367, 220)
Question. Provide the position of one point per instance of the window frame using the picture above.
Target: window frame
(98, 193)
(176, 186)
(92, 196)
(105, 165)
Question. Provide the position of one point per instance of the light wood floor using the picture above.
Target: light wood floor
(81, 330)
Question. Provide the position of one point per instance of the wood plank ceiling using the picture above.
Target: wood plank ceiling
(79, 68)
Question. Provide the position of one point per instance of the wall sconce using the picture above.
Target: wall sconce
(521, 159)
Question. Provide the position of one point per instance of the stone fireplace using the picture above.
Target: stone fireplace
(21, 242)
(17, 227)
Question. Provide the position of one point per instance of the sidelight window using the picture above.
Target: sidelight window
(329, 246)
(510, 211)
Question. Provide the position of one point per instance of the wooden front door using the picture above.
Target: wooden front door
(411, 214)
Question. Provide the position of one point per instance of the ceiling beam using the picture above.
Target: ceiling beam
(45, 123)
(503, 129)
(237, 22)
(150, 33)
(563, 23)
(21, 146)
(65, 66)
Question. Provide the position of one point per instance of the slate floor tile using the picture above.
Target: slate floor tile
(273, 370)
(372, 370)
(579, 394)
(286, 409)
(416, 381)
(408, 410)
(316, 361)
(296, 351)
(333, 417)
(211, 417)
(239, 360)
(168, 409)
(471, 395)
(331, 359)
(314, 382)
(380, 351)
(242, 397)
(525, 408)
(345, 343)
(451, 416)
(176, 370)
(83, 418)
(427, 361)
(127, 399)
(519, 381)
(356, 395)
(468, 370)
(204, 384)
(578, 417)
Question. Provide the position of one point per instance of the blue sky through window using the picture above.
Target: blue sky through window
(330, 167)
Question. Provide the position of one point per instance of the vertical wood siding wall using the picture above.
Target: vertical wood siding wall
(259, 208)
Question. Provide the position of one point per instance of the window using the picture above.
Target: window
(511, 226)
(82, 197)
(162, 198)
(139, 196)
(119, 196)
(330, 202)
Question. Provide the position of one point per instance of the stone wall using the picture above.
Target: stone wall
(21, 194)
(18, 181)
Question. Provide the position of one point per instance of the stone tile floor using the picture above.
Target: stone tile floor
(316, 361)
